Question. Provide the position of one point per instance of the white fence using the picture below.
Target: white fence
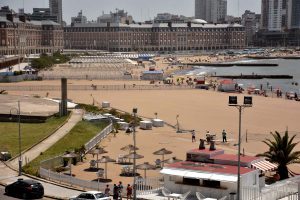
(149, 185)
(287, 189)
(72, 181)
(47, 166)
(100, 136)
(96, 87)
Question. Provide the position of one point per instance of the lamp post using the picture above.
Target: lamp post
(20, 151)
(134, 110)
(247, 103)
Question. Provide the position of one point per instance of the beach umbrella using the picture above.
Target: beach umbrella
(132, 155)
(162, 152)
(70, 156)
(172, 160)
(145, 166)
(97, 151)
(129, 148)
(105, 160)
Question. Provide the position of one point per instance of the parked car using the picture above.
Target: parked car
(25, 189)
(91, 195)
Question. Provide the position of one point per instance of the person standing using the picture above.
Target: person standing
(120, 189)
(224, 136)
(129, 191)
(107, 191)
(193, 136)
(115, 192)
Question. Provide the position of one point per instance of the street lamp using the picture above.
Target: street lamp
(134, 110)
(20, 151)
(247, 103)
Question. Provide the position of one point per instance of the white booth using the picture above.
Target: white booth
(123, 125)
(157, 122)
(146, 125)
(105, 104)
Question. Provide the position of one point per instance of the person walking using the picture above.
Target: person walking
(107, 191)
(129, 191)
(224, 136)
(193, 136)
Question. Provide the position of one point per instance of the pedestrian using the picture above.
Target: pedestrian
(193, 136)
(224, 136)
(107, 191)
(120, 189)
(129, 191)
(115, 192)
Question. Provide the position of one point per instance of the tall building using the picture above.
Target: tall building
(120, 16)
(56, 9)
(212, 11)
(40, 14)
(274, 15)
(250, 24)
(293, 14)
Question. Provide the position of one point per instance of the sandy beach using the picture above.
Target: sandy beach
(198, 110)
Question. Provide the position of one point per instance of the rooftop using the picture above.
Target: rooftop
(208, 167)
(232, 157)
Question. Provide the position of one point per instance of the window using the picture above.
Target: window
(210, 183)
(191, 181)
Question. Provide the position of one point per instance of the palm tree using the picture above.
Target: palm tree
(281, 152)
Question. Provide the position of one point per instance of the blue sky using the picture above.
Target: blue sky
(139, 9)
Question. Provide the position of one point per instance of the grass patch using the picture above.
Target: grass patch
(31, 133)
(78, 136)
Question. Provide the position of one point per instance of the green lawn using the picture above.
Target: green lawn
(78, 136)
(31, 133)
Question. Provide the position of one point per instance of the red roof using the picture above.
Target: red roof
(208, 167)
(227, 81)
(205, 151)
(232, 157)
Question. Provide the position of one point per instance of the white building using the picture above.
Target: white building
(212, 11)
(214, 173)
(275, 15)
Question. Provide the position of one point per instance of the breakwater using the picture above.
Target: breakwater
(255, 76)
(233, 64)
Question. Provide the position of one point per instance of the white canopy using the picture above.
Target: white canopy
(200, 175)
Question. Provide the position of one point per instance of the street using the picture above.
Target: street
(5, 197)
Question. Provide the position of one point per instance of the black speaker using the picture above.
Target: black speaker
(248, 100)
(232, 100)
(134, 110)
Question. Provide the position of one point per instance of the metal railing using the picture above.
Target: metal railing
(47, 166)
(100, 136)
(66, 179)
(149, 185)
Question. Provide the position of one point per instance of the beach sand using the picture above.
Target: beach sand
(197, 109)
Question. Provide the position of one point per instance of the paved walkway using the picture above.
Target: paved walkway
(7, 175)
(33, 153)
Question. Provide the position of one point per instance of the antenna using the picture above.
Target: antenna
(238, 7)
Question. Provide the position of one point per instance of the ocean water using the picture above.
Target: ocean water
(286, 67)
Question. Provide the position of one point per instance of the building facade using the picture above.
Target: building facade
(19, 36)
(293, 14)
(56, 10)
(80, 19)
(119, 16)
(40, 14)
(154, 37)
(249, 21)
(212, 11)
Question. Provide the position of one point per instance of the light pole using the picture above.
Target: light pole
(247, 103)
(20, 151)
(134, 110)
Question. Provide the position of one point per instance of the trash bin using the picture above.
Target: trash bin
(5, 156)
(232, 196)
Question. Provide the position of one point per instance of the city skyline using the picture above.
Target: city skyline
(141, 11)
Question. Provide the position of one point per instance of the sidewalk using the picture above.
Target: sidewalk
(8, 175)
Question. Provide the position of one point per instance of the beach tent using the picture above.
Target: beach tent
(146, 125)
(157, 122)
(123, 125)
(227, 85)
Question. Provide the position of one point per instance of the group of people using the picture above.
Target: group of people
(209, 136)
(118, 191)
